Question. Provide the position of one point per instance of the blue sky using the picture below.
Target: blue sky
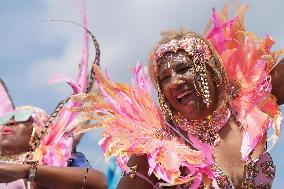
(32, 51)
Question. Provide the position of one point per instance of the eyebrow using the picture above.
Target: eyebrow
(181, 64)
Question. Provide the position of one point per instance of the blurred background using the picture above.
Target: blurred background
(31, 52)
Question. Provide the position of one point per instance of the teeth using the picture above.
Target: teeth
(183, 94)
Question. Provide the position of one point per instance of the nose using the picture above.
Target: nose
(176, 81)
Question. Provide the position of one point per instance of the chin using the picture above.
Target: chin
(188, 108)
(189, 113)
(5, 141)
(6, 147)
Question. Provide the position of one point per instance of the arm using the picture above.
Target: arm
(69, 178)
(136, 182)
(278, 82)
(55, 177)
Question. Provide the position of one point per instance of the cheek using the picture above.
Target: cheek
(189, 75)
(24, 132)
(167, 93)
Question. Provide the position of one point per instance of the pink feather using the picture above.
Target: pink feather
(80, 85)
(5, 100)
(247, 60)
(61, 77)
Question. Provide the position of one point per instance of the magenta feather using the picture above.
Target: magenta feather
(65, 117)
(5, 100)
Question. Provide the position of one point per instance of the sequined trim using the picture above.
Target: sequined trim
(260, 174)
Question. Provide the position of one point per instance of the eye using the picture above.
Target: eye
(165, 78)
(11, 123)
(183, 68)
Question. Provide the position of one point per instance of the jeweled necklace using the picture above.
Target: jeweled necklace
(206, 129)
(17, 158)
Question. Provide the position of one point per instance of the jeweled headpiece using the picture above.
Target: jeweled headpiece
(39, 116)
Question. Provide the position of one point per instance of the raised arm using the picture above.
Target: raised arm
(135, 181)
(278, 82)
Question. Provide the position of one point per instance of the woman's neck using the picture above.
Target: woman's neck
(206, 129)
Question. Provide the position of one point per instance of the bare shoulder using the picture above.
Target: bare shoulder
(277, 75)
(139, 163)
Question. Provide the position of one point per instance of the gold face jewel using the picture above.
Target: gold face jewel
(166, 111)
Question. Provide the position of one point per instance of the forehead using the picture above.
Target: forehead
(28, 123)
(171, 58)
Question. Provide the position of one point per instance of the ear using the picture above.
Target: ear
(6, 102)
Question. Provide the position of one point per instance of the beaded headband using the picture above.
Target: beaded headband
(193, 46)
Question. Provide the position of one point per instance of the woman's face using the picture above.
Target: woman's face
(15, 137)
(176, 76)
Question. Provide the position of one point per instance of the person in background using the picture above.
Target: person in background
(20, 129)
(43, 147)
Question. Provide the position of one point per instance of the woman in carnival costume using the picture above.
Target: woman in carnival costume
(19, 129)
(36, 148)
(216, 106)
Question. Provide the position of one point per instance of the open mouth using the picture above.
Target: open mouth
(185, 97)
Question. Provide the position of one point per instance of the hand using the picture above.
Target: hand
(10, 172)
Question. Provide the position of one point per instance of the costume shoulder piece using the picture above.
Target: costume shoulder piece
(134, 126)
(248, 61)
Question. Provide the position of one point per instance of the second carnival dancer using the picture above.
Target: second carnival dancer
(215, 109)
(36, 148)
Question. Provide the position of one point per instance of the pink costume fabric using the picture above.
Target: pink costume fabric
(134, 124)
(5, 100)
(19, 184)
